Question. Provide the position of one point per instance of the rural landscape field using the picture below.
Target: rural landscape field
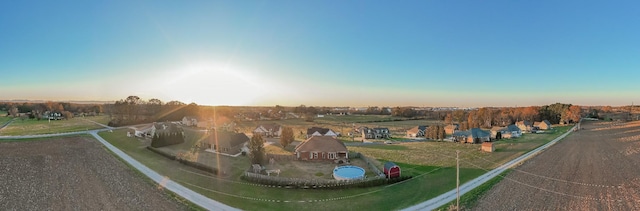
(596, 168)
(73, 173)
(316, 105)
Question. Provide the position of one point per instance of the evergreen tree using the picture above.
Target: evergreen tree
(256, 147)
(286, 137)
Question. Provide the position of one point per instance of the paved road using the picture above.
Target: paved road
(447, 197)
(182, 191)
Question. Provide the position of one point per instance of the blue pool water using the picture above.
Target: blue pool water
(348, 173)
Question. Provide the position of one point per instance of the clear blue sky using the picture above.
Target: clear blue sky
(358, 53)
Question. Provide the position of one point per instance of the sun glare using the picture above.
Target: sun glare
(212, 84)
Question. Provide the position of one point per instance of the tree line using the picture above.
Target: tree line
(489, 117)
(37, 110)
(134, 110)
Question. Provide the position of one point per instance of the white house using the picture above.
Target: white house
(317, 131)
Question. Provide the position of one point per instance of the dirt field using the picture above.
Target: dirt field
(596, 168)
(73, 173)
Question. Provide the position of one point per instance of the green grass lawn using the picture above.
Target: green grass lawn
(103, 119)
(33, 126)
(4, 119)
(431, 163)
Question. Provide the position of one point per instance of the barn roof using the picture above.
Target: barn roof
(389, 165)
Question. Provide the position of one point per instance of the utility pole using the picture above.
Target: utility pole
(458, 180)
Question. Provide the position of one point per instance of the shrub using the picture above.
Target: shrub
(167, 155)
(199, 166)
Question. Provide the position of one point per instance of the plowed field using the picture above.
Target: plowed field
(597, 168)
(72, 173)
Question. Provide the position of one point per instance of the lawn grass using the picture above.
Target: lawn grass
(470, 199)
(4, 119)
(431, 163)
(34, 127)
(102, 119)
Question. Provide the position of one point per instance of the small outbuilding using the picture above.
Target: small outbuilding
(488, 147)
(391, 170)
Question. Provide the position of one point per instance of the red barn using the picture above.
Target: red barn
(391, 170)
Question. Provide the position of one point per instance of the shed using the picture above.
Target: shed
(391, 170)
(488, 147)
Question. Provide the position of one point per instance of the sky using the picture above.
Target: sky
(323, 53)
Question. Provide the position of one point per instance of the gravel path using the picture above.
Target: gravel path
(594, 169)
(73, 173)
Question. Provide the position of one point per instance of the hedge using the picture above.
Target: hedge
(196, 165)
(338, 185)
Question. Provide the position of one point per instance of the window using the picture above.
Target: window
(314, 155)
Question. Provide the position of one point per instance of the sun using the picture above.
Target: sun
(214, 84)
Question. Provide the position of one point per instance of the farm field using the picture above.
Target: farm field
(34, 127)
(73, 173)
(593, 169)
(429, 163)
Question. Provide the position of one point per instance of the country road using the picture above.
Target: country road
(6, 123)
(210, 204)
(447, 197)
(165, 182)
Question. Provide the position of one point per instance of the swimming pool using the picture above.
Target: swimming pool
(348, 173)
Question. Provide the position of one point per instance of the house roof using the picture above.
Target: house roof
(270, 127)
(513, 128)
(163, 127)
(231, 138)
(524, 122)
(321, 144)
(473, 132)
(320, 130)
(190, 118)
(416, 129)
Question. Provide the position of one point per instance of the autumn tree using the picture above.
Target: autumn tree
(286, 137)
(256, 147)
(574, 113)
(459, 116)
(13, 111)
(448, 119)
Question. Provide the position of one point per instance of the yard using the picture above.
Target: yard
(342, 124)
(4, 119)
(33, 127)
(431, 164)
